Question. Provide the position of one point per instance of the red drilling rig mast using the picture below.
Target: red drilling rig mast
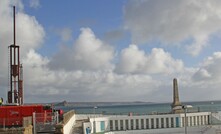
(15, 95)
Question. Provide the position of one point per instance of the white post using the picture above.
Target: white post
(210, 118)
(94, 123)
(169, 120)
(57, 117)
(34, 123)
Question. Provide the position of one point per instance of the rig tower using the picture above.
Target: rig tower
(15, 93)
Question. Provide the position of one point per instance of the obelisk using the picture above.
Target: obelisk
(176, 103)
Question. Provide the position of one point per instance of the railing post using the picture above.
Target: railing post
(57, 117)
(34, 123)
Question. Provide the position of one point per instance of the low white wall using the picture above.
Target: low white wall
(87, 116)
(69, 125)
(190, 130)
(118, 123)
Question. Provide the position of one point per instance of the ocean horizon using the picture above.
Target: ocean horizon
(136, 108)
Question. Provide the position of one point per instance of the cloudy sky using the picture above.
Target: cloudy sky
(114, 50)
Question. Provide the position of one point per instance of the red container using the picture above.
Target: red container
(13, 115)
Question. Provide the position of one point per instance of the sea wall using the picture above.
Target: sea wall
(65, 127)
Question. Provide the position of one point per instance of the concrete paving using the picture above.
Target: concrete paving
(78, 127)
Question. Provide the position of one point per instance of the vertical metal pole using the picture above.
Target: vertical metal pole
(15, 67)
(14, 24)
(185, 120)
(18, 86)
(10, 99)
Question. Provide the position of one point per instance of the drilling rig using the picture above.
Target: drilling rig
(12, 113)
(15, 93)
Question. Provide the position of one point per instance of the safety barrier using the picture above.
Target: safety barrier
(44, 122)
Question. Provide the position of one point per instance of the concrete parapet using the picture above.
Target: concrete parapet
(66, 124)
(67, 116)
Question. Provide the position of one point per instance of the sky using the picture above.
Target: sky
(114, 50)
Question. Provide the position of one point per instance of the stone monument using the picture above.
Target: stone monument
(176, 105)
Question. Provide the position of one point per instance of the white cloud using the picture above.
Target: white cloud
(172, 21)
(107, 85)
(95, 85)
(210, 69)
(30, 34)
(205, 81)
(202, 74)
(78, 85)
(88, 53)
(34, 3)
(36, 68)
(198, 45)
(133, 60)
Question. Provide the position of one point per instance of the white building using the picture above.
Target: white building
(122, 123)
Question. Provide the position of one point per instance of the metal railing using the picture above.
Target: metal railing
(44, 122)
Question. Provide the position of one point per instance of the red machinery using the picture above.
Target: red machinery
(13, 115)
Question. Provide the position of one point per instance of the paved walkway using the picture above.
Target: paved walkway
(78, 127)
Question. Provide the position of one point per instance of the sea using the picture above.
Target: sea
(139, 108)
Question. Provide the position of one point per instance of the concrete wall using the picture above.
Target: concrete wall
(146, 122)
(69, 125)
(86, 125)
(65, 127)
(190, 130)
(122, 123)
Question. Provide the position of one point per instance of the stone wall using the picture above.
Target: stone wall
(20, 130)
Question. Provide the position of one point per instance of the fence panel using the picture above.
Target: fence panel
(45, 122)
